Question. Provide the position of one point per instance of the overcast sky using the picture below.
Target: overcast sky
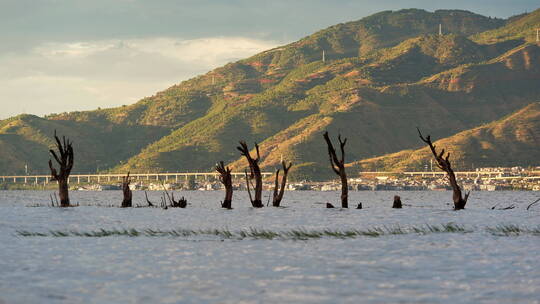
(66, 55)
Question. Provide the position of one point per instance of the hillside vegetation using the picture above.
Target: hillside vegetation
(382, 76)
(514, 137)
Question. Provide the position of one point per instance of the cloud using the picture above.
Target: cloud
(78, 75)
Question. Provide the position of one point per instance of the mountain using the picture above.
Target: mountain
(506, 142)
(381, 76)
(522, 27)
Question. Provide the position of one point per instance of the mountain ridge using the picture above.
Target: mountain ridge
(388, 67)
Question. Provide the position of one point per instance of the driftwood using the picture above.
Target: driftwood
(533, 203)
(226, 179)
(150, 204)
(128, 195)
(64, 158)
(255, 173)
(55, 199)
(279, 190)
(338, 166)
(397, 202)
(443, 162)
(504, 208)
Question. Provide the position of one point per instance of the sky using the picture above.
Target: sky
(67, 55)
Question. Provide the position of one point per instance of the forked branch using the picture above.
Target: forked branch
(65, 160)
(128, 195)
(280, 190)
(226, 179)
(338, 166)
(443, 162)
(255, 173)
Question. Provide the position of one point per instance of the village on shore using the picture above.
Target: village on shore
(500, 178)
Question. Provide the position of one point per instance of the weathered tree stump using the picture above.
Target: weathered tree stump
(65, 159)
(181, 203)
(338, 166)
(255, 173)
(280, 190)
(397, 202)
(128, 195)
(226, 179)
(443, 162)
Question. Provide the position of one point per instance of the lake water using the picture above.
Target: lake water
(474, 267)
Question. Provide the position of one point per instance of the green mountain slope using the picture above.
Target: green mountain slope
(520, 28)
(382, 75)
(340, 96)
(513, 140)
(25, 140)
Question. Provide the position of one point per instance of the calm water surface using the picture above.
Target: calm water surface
(475, 267)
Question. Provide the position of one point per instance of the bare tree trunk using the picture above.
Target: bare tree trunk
(338, 166)
(280, 190)
(128, 195)
(443, 162)
(397, 202)
(255, 171)
(64, 158)
(226, 179)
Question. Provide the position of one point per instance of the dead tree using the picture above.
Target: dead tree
(255, 173)
(338, 166)
(280, 190)
(226, 179)
(181, 203)
(64, 158)
(443, 162)
(128, 195)
(397, 202)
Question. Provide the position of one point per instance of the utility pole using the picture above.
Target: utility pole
(440, 29)
(538, 35)
(323, 56)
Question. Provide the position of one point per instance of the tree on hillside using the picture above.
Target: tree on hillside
(280, 190)
(443, 162)
(255, 173)
(64, 158)
(226, 179)
(338, 166)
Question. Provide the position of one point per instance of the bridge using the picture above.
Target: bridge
(179, 176)
(99, 178)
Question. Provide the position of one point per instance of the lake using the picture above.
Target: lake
(302, 253)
